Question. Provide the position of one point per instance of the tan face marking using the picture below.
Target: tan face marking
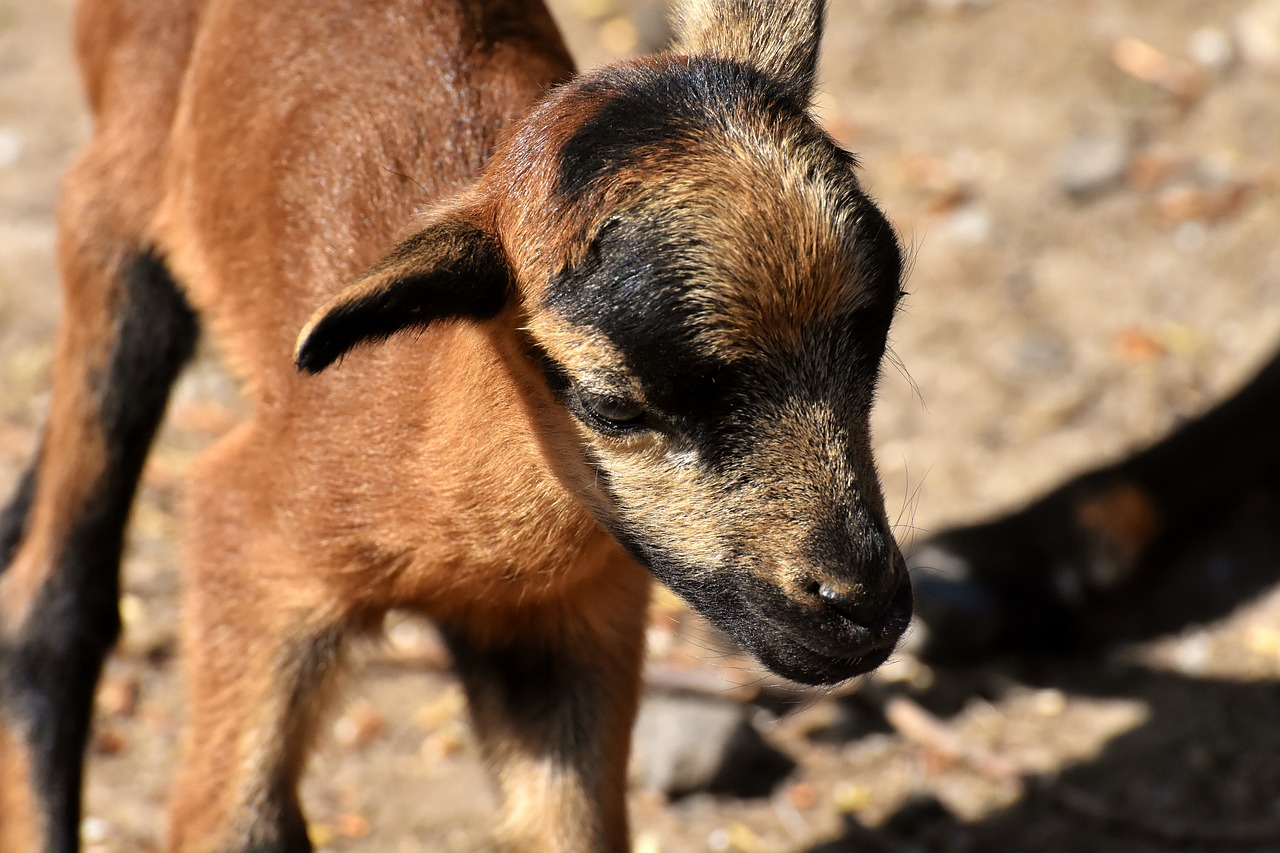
(589, 356)
(767, 290)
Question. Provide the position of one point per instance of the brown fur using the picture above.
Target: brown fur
(19, 815)
(1120, 523)
(446, 472)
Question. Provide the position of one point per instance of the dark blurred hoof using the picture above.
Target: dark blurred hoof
(957, 618)
(963, 613)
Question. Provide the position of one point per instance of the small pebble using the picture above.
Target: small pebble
(1049, 703)
(803, 795)
(1192, 654)
(851, 799)
(444, 743)
(970, 225)
(1257, 31)
(446, 709)
(94, 830)
(1137, 345)
(108, 741)
(1211, 48)
(358, 727)
(1094, 163)
(118, 696)
(11, 147)
(1189, 236)
(1148, 63)
(1188, 203)
(351, 825)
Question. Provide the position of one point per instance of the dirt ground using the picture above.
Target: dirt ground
(1091, 192)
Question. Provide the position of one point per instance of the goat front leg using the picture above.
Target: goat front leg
(259, 690)
(553, 709)
(263, 643)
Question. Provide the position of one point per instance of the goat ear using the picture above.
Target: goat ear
(452, 269)
(780, 39)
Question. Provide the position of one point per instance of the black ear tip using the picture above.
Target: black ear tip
(311, 355)
(309, 364)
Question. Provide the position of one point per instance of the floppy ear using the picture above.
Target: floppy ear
(452, 269)
(781, 39)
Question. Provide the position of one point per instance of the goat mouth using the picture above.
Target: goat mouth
(792, 639)
(817, 651)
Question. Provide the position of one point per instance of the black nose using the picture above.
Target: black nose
(856, 604)
(864, 595)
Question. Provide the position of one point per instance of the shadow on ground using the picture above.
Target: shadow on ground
(1202, 773)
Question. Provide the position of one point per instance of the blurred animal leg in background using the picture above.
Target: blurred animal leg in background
(1023, 581)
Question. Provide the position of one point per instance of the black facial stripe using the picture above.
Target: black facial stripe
(721, 407)
(633, 288)
(877, 263)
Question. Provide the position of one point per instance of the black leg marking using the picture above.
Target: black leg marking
(13, 522)
(540, 694)
(50, 666)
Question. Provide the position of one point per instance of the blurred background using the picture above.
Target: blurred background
(1090, 192)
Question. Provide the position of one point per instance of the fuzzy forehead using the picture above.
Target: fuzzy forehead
(716, 218)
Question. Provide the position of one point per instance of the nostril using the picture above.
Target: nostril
(851, 604)
(840, 599)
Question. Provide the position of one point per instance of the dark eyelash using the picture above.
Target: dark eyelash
(589, 406)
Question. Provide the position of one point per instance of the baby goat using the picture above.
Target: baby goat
(646, 306)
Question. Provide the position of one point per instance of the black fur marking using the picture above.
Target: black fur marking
(449, 271)
(666, 108)
(49, 669)
(277, 824)
(554, 701)
(633, 286)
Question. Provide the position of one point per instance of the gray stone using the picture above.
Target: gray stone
(690, 744)
(1093, 163)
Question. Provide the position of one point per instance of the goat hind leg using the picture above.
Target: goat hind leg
(1027, 580)
(125, 334)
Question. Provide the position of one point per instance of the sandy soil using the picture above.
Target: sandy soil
(1046, 330)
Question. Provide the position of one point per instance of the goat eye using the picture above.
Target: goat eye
(610, 414)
